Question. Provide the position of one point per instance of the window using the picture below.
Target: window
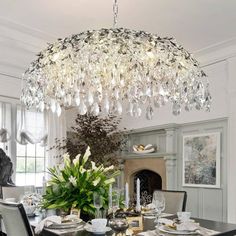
(31, 164)
(30, 155)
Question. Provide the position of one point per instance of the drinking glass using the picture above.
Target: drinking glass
(97, 202)
(159, 202)
(115, 202)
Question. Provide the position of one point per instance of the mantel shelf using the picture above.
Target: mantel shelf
(130, 155)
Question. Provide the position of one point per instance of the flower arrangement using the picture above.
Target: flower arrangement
(73, 184)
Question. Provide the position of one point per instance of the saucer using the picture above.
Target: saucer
(90, 229)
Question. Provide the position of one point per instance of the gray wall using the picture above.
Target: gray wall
(209, 203)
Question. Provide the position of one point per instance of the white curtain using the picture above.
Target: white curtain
(31, 127)
(5, 122)
(56, 130)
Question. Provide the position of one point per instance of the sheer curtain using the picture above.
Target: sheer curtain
(56, 130)
(31, 127)
(5, 122)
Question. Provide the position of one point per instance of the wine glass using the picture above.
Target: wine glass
(97, 202)
(159, 202)
(115, 202)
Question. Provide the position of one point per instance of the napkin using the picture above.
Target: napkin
(47, 222)
(187, 226)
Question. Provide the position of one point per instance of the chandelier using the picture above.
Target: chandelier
(113, 71)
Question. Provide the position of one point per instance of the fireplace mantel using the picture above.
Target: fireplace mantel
(164, 139)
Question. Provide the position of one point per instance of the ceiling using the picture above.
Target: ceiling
(26, 25)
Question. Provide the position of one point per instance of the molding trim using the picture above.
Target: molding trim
(217, 52)
(26, 30)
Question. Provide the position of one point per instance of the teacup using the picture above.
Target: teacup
(184, 216)
(99, 225)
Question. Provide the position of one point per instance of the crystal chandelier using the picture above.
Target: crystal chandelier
(113, 71)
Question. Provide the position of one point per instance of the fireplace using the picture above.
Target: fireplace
(150, 171)
(149, 181)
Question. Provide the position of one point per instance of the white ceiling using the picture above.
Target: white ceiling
(26, 25)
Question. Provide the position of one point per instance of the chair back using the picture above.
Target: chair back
(15, 191)
(15, 220)
(175, 200)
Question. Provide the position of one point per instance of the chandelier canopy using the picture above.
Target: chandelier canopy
(115, 70)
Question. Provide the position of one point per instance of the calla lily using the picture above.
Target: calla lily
(109, 181)
(109, 168)
(86, 155)
(96, 181)
(76, 160)
(72, 179)
(66, 158)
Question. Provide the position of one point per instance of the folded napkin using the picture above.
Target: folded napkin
(187, 226)
(165, 221)
(47, 222)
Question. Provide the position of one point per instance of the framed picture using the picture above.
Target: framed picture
(201, 160)
(135, 223)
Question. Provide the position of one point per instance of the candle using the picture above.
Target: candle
(110, 196)
(126, 195)
(138, 206)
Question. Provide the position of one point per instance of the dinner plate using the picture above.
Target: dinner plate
(65, 225)
(90, 229)
(166, 229)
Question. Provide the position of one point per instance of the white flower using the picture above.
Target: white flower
(82, 170)
(72, 179)
(96, 181)
(109, 181)
(109, 168)
(66, 158)
(76, 160)
(86, 155)
(61, 178)
(93, 165)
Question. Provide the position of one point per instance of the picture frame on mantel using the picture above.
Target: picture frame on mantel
(201, 160)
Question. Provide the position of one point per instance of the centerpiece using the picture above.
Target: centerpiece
(73, 184)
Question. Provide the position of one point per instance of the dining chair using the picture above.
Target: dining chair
(16, 191)
(174, 200)
(15, 219)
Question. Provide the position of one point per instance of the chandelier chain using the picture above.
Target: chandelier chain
(115, 13)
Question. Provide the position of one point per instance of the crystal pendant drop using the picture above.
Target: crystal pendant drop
(95, 109)
(58, 109)
(106, 105)
(118, 108)
(130, 109)
(136, 110)
(149, 112)
(90, 98)
(176, 109)
(82, 108)
(41, 106)
(77, 99)
(53, 105)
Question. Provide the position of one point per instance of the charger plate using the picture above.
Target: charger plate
(166, 229)
(65, 225)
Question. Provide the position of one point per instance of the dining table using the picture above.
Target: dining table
(220, 228)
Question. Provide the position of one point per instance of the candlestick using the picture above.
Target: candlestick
(126, 195)
(138, 206)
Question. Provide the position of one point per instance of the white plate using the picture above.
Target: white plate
(168, 230)
(89, 229)
(66, 225)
